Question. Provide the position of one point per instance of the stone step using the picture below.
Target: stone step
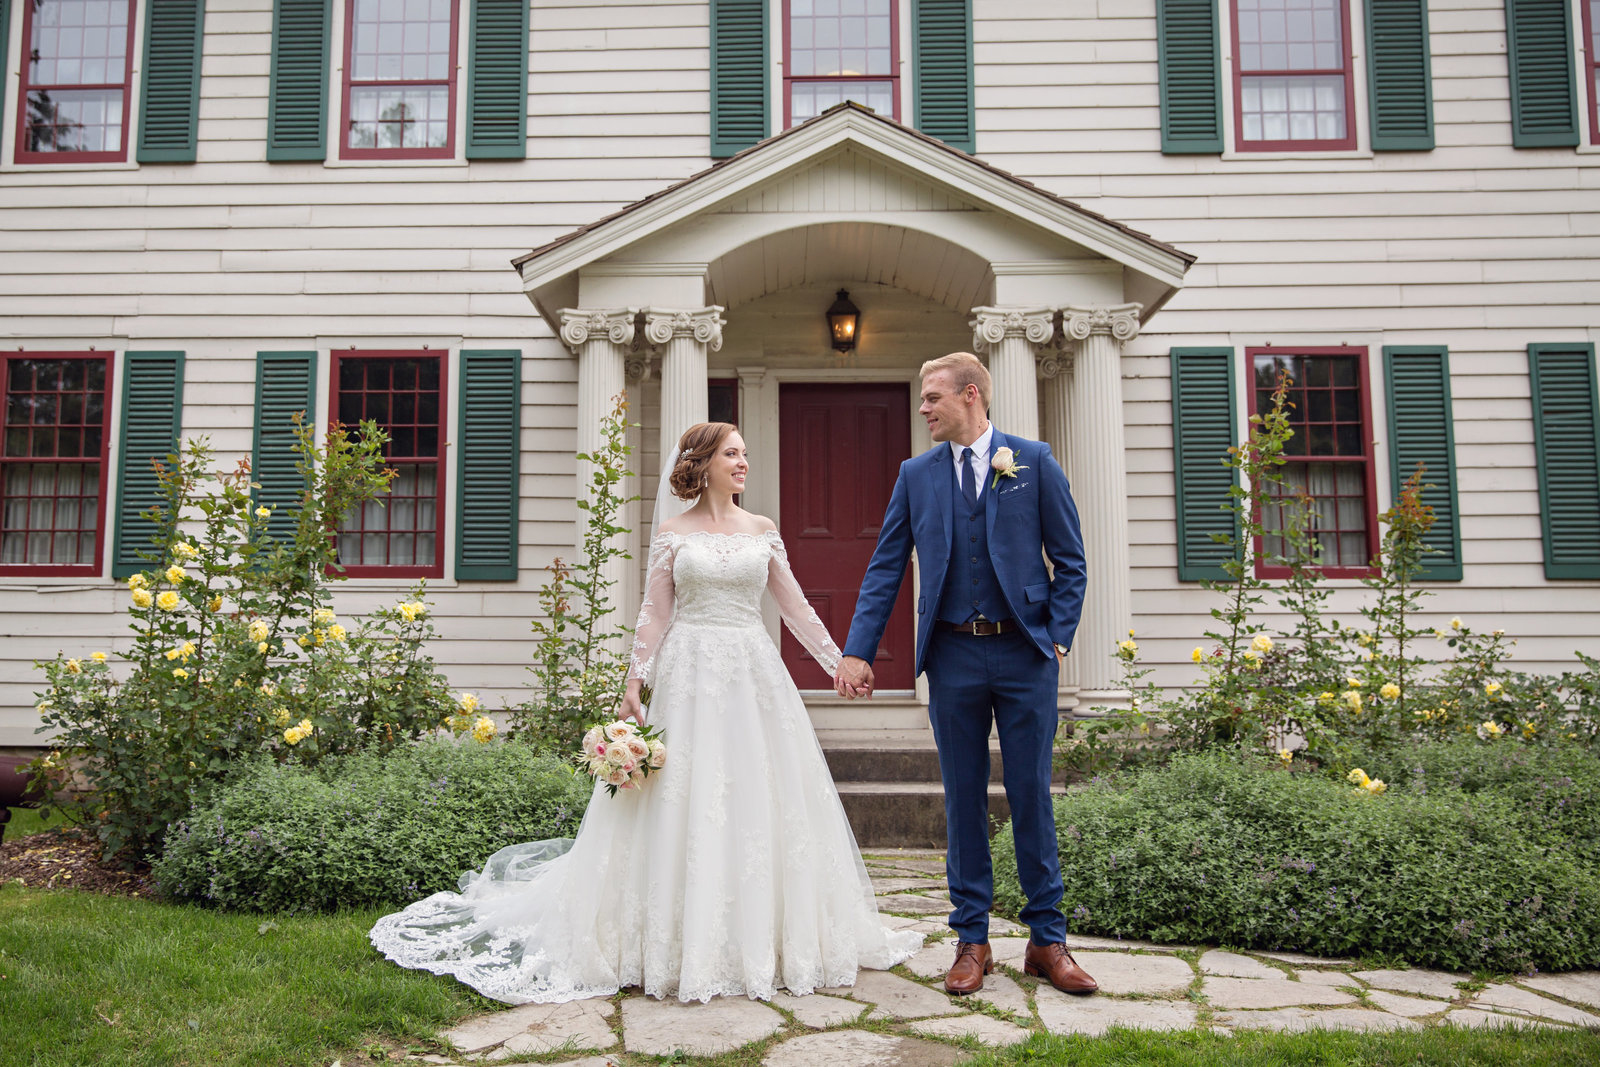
(909, 814)
(900, 763)
(890, 714)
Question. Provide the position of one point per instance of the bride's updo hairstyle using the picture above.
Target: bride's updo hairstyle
(695, 449)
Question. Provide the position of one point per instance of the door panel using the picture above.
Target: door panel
(840, 449)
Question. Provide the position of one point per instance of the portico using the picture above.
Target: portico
(723, 279)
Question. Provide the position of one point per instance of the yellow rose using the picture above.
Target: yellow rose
(1261, 643)
(1376, 786)
(1128, 648)
(323, 616)
(98, 657)
(142, 598)
(1353, 699)
(137, 581)
(183, 550)
(179, 672)
(263, 512)
(167, 601)
(74, 667)
(171, 653)
(1326, 698)
(1365, 639)
(1198, 655)
(215, 603)
(1455, 623)
(280, 716)
(259, 630)
(1358, 776)
(303, 641)
(1492, 689)
(336, 633)
(1352, 682)
(262, 647)
(176, 574)
(1285, 755)
(483, 729)
(469, 703)
(1389, 691)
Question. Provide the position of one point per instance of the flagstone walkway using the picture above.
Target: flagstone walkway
(904, 1019)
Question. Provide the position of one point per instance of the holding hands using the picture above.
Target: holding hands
(853, 678)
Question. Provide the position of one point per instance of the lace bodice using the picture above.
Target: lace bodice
(716, 579)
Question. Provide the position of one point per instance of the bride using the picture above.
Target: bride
(733, 869)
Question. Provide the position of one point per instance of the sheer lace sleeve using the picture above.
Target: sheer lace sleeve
(796, 610)
(655, 614)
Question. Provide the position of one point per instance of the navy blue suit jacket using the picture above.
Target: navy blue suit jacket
(1029, 517)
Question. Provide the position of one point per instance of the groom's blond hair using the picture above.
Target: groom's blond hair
(965, 369)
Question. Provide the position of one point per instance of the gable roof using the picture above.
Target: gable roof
(984, 184)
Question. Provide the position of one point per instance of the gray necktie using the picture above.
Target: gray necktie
(969, 481)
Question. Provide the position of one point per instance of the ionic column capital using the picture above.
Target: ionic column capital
(578, 325)
(1055, 363)
(704, 325)
(991, 325)
(1121, 321)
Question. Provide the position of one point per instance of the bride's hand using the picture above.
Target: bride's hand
(631, 708)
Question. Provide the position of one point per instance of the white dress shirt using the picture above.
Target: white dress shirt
(980, 457)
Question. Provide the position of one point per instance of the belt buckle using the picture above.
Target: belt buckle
(984, 628)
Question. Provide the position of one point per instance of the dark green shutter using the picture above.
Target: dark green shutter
(5, 50)
(1566, 443)
(487, 489)
(1191, 76)
(152, 411)
(285, 384)
(941, 59)
(297, 104)
(1421, 430)
(1398, 75)
(169, 109)
(1202, 433)
(739, 76)
(1544, 105)
(497, 80)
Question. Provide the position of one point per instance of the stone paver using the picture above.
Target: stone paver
(1521, 1000)
(818, 1011)
(1233, 965)
(1005, 928)
(900, 998)
(1000, 991)
(912, 904)
(1118, 944)
(1268, 993)
(987, 1030)
(908, 922)
(901, 885)
(486, 1031)
(1121, 973)
(1410, 1007)
(1300, 959)
(587, 1061)
(934, 960)
(1428, 983)
(661, 1027)
(1474, 1018)
(1008, 950)
(1293, 1020)
(860, 1048)
(1062, 1014)
(1328, 978)
(1580, 986)
(580, 1024)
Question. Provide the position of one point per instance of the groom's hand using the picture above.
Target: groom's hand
(853, 678)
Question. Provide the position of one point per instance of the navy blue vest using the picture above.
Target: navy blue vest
(971, 587)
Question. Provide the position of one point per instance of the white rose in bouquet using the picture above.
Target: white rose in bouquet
(617, 754)
(619, 729)
(638, 748)
(616, 776)
(593, 738)
(658, 755)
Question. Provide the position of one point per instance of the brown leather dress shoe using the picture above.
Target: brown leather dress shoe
(966, 973)
(1055, 965)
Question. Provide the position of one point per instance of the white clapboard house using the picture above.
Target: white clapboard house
(478, 220)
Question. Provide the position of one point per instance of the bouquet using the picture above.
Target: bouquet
(621, 754)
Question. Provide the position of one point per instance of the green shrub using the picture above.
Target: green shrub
(366, 829)
(1218, 850)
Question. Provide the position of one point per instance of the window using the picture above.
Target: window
(53, 466)
(837, 50)
(1329, 457)
(1591, 36)
(1292, 76)
(74, 99)
(400, 79)
(401, 534)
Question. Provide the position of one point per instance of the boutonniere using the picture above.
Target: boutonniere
(1005, 465)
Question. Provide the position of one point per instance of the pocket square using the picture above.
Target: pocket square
(1004, 489)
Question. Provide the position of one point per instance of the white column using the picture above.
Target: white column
(1009, 335)
(685, 336)
(1056, 369)
(600, 339)
(1094, 428)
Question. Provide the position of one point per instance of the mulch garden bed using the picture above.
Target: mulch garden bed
(68, 858)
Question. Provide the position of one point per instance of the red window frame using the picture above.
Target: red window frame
(102, 460)
(436, 458)
(893, 79)
(1591, 65)
(347, 82)
(27, 86)
(1366, 458)
(1347, 72)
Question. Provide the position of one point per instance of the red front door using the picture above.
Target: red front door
(840, 448)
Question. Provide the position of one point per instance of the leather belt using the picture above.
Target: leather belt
(978, 627)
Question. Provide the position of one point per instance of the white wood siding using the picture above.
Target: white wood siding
(1473, 245)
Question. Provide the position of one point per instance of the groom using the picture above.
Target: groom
(983, 510)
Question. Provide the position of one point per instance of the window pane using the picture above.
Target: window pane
(1308, 108)
(400, 41)
(390, 531)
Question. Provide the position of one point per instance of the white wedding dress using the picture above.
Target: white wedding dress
(731, 871)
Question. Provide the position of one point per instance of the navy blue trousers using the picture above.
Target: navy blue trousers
(1003, 680)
